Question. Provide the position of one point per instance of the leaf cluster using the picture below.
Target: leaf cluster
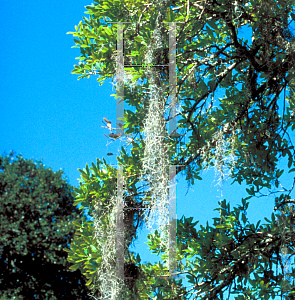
(245, 122)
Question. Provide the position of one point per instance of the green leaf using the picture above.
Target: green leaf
(250, 191)
(213, 24)
(257, 225)
(85, 177)
(80, 260)
(290, 161)
(244, 218)
(93, 248)
(81, 171)
(191, 278)
(67, 250)
(108, 31)
(136, 77)
(77, 223)
(203, 86)
(74, 267)
(76, 202)
(138, 258)
(220, 226)
(189, 67)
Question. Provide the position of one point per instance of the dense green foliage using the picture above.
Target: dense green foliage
(36, 223)
(247, 122)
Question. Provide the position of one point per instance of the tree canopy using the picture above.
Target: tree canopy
(36, 215)
(252, 123)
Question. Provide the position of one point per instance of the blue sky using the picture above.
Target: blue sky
(46, 113)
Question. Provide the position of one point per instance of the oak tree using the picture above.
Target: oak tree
(251, 123)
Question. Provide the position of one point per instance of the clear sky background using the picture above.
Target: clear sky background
(46, 113)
